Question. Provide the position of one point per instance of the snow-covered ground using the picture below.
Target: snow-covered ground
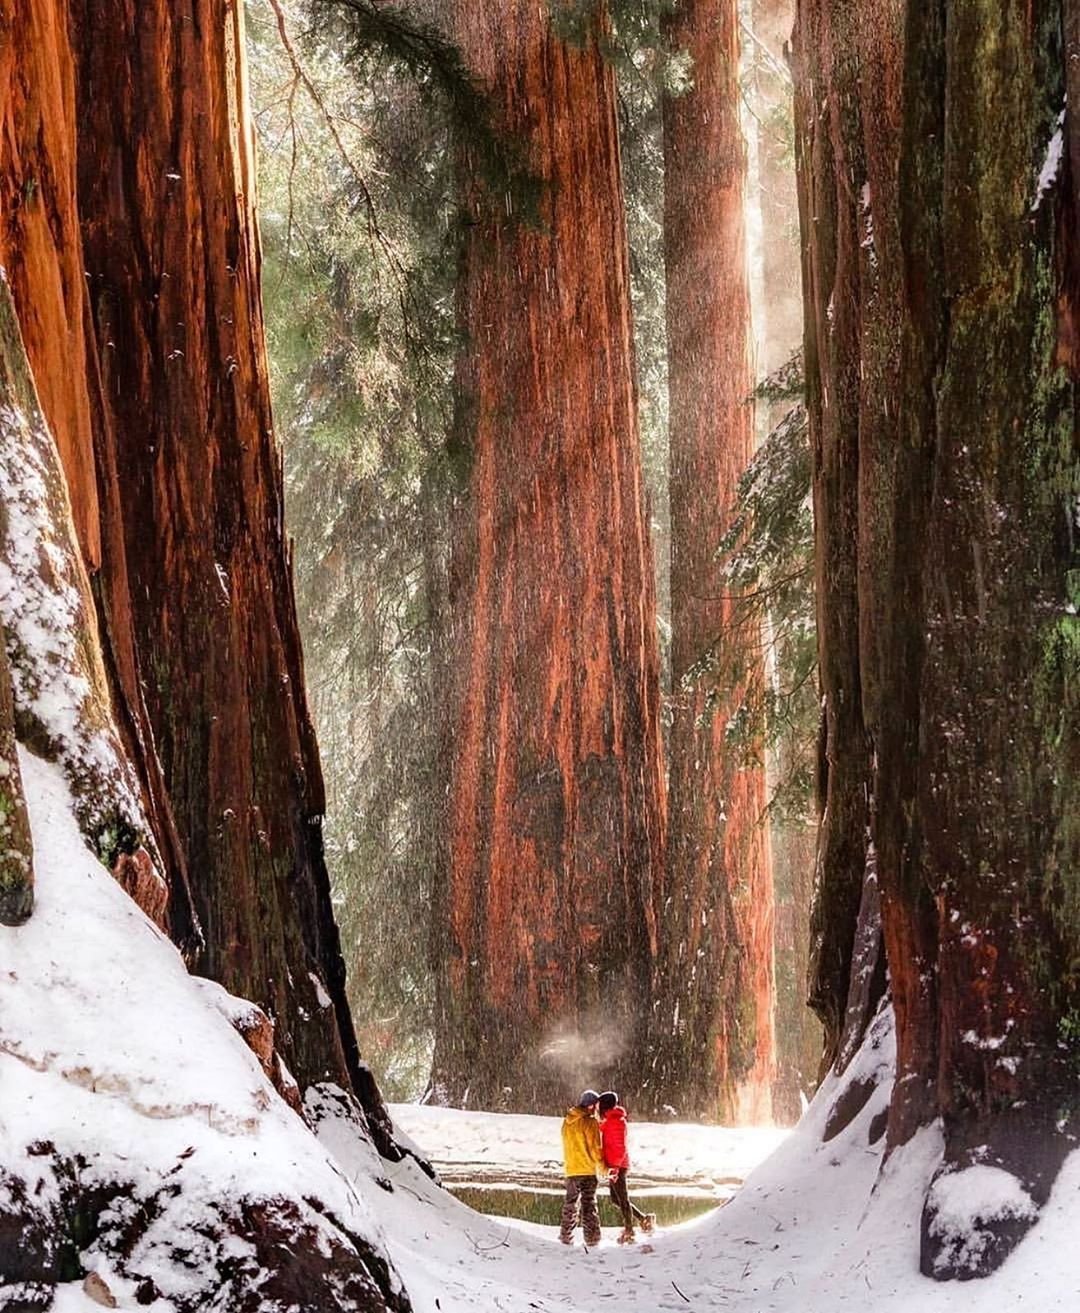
(110, 1051)
(819, 1227)
(487, 1148)
(117, 1068)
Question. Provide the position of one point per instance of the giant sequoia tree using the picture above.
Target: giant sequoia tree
(128, 237)
(555, 807)
(715, 1052)
(940, 178)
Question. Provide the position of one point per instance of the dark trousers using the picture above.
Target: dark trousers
(581, 1196)
(620, 1197)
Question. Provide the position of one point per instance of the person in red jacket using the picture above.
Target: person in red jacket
(617, 1161)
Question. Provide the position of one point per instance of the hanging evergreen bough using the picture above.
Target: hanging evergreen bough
(61, 706)
(361, 29)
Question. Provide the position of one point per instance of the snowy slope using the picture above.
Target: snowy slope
(118, 1070)
(817, 1228)
(115, 1066)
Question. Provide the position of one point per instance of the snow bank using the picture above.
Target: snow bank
(821, 1226)
(125, 1087)
(140, 1127)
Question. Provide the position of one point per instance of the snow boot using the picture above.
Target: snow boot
(648, 1223)
(627, 1237)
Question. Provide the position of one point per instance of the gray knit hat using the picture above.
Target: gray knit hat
(588, 1099)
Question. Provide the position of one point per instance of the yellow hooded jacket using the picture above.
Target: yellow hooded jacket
(582, 1150)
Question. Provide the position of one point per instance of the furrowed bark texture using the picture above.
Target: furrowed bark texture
(556, 808)
(53, 688)
(969, 466)
(715, 1043)
(166, 190)
(41, 250)
(831, 337)
(134, 262)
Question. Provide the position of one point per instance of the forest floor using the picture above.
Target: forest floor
(119, 1067)
(818, 1227)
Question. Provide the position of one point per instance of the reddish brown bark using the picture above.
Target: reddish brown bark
(830, 270)
(715, 1039)
(555, 809)
(134, 262)
(39, 234)
(41, 250)
(967, 454)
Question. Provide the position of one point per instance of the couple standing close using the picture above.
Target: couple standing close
(593, 1146)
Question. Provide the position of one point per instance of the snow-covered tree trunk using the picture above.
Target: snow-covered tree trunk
(56, 687)
(939, 213)
(127, 186)
(149, 630)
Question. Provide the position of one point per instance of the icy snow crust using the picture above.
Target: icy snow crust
(109, 1050)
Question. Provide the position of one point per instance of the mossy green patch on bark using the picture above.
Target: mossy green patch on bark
(16, 848)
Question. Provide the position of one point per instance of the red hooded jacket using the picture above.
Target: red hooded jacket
(613, 1137)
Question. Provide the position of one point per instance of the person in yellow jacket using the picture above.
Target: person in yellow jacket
(583, 1158)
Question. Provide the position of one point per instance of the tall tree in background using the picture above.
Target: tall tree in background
(714, 1039)
(126, 180)
(556, 802)
(938, 156)
(793, 706)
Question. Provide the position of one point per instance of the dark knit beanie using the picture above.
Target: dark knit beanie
(588, 1098)
(608, 1100)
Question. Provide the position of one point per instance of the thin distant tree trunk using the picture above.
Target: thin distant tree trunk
(919, 132)
(778, 321)
(715, 1042)
(555, 807)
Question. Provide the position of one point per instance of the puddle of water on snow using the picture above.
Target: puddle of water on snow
(545, 1205)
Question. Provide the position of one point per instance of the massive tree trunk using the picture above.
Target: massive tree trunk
(828, 205)
(714, 1043)
(555, 808)
(127, 187)
(938, 167)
